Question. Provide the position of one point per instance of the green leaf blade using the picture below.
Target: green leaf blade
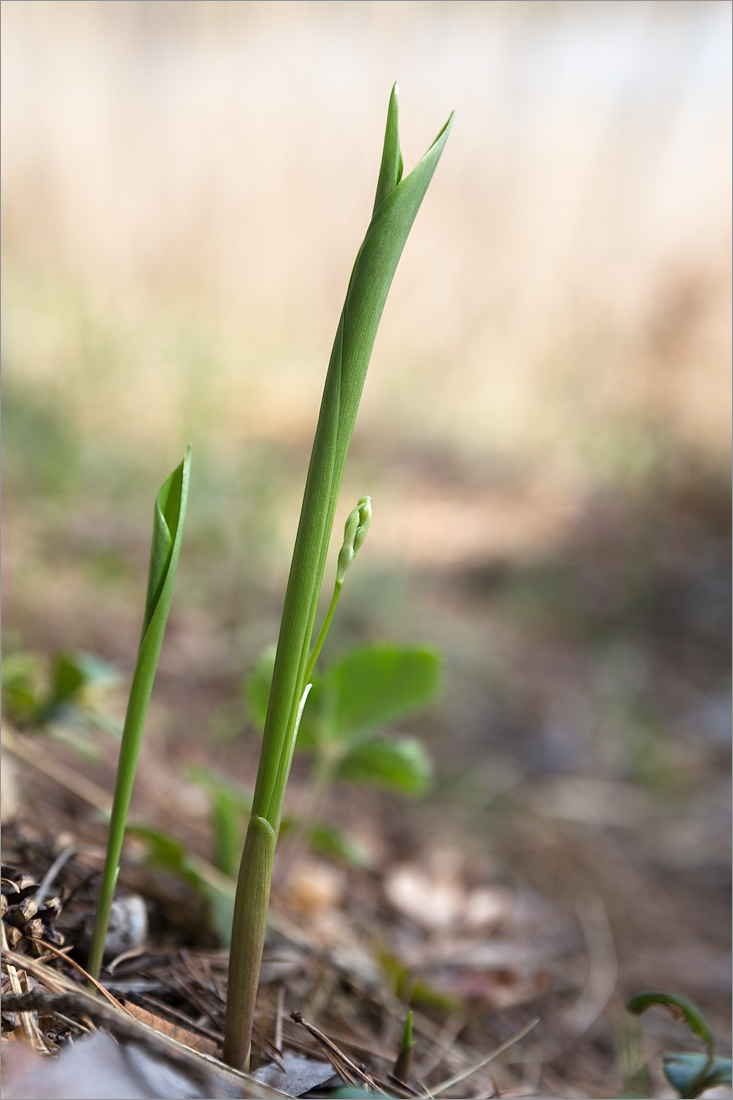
(170, 504)
(400, 765)
(381, 684)
(391, 168)
(366, 295)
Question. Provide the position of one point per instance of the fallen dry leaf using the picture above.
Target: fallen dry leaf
(181, 1034)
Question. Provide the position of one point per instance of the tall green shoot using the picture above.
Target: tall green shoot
(168, 518)
(395, 207)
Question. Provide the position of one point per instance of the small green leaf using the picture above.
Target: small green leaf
(399, 765)
(68, 680)
(403, 1064)
(230, 802)
(693, 1074)
(327, 840)
(20, 675)
(217, 786)
(166, 852)
(379, 684)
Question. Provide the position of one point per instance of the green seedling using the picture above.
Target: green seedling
(403, 1064)
(168, 518)
(64, 703)
(689, 1073)
(395, 207)
(230, 806)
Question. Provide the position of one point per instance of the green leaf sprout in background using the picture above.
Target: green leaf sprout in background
(168, 518)
(396, 204)
(690, 1074)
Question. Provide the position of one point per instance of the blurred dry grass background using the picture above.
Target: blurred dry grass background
(184, 187)
(545, 426)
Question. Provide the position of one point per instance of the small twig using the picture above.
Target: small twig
(48, 956)
(175, 984)
(53, 979)
(97, 985)
(404, 1087)
(277, 1042)
(440, 1044)
(74, 1023)
(444, 1085)
(347, 1070)
(51, 873)
(40, 1000)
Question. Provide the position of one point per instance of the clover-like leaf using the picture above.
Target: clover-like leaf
(380, 684)
(399, 765)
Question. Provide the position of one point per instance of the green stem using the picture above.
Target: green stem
(248, 939)
(324, 630)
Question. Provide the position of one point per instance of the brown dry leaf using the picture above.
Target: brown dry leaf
(181, 1034)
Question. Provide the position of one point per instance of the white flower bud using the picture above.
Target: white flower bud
(355, 531)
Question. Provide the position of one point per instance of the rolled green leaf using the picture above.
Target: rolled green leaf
(168, 517)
